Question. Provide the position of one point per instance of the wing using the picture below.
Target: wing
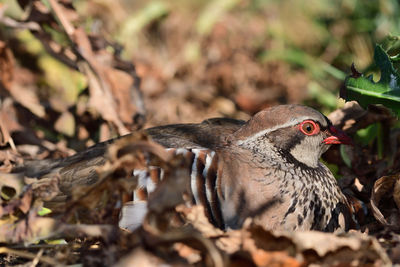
(80, 168)
(207, 134)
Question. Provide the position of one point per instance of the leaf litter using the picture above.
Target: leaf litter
(80, 225)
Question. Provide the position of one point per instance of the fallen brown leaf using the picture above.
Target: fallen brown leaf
(29, 229)
(386, 188)
(7, 62)
(303, 248)
(140, 257)
(11, 185)
(65, 124)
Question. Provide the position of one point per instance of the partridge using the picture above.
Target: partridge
(267, 168)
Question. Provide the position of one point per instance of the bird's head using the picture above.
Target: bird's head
(295, 131)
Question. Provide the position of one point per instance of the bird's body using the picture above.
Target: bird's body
(267, 168)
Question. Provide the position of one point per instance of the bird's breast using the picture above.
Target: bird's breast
(288, 199)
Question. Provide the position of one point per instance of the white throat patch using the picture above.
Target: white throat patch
(308, 151)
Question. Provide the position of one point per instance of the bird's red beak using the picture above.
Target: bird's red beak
(337, 137)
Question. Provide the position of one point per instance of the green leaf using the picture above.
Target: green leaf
(44, 211)
(345, 156)
(366, 135)
(56, 242)
(386, 91)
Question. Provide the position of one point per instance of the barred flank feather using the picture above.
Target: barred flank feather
(203, 174)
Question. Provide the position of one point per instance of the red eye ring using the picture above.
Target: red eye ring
(309, 127)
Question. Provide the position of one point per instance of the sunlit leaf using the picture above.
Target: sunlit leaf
(44, 211)
(386, 91)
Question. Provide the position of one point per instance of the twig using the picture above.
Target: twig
(38, 246)
(28, 255)
(68, 27)
(37, 258)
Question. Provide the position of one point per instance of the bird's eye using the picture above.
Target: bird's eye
(309, 127)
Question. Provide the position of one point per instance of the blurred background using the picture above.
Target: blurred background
(200, 59)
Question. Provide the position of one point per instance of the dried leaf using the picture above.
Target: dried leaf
(65, 124)
(27, 230)
(121, 84)
(175, 185)
(23, 203)
(353, 117)
(8, 158)
(191, 255)
(303, 247)
(12, 183)
(8, 122)
(196, 216)
(385, 187)
(7, 62)
(140, 257)
(396, 193)
(101, 99)
(27, 97)
(5, 136)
